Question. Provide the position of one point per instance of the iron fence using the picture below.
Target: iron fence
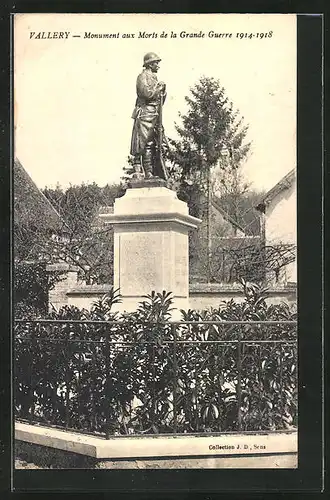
(118, 378)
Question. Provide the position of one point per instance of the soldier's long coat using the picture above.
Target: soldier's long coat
(145, 113)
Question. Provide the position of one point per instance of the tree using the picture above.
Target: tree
(241, 208)
(88, 244)
(32, 282)
(229, 185)
(58, 225)
(210, 126)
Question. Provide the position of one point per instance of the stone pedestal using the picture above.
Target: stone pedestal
(151, 244)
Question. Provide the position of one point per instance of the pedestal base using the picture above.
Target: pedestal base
(151, 244)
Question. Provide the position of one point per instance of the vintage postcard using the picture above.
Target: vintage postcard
(155, 275)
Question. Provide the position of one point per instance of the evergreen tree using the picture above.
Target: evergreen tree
(210, 125)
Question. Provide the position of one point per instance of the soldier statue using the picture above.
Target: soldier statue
(148, 134)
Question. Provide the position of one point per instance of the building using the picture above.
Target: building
(209, 244)
(39, 231)
(223, 225)
(278, 213)
(35, 218)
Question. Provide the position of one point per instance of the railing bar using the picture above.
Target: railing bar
(37, 331)
(259, 365)
(107, 396)
(219, 386)
(143, 436)
(131, 386)
(281, 378)
(79, 379)
(31, 390)
(175, 378)
(260, 376)
(93, 394)
(104, 322)
(153, 402)
(239, 381)
(67, 383)
(209, 342)
(196, 404)
(233, 322)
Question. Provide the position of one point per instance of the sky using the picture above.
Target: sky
(74, 96)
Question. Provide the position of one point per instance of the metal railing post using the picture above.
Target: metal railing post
(219, 368)
(107, 388)
(187, 357)
(281, 377)
(153, 397)
(31, 389)
(239, 380)
(175, 378)
(67, 380)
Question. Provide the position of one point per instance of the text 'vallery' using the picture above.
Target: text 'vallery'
(64, 35)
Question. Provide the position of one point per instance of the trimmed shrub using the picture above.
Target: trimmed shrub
(142, 374)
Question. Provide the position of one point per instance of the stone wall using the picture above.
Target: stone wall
(205, 295)
(69, 291)
(83, 296)
(49, 447)
(57, 297)
(201, 296)
(45, 457)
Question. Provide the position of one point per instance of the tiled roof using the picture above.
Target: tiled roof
(31, 205)
(283, 184)
(225, 215)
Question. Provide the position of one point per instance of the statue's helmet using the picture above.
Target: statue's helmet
(150, 57)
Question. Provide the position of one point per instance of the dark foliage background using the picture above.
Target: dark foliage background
(32, 283)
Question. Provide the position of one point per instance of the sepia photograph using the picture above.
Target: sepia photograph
(155, 241)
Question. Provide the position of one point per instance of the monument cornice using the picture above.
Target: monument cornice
(174, 217)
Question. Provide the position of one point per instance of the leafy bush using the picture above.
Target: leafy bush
(31, 286)
(140, 374)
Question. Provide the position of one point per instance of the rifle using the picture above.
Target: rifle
(160, 137)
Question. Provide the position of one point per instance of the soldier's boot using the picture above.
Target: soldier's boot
(137, 168)
(147, 163)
